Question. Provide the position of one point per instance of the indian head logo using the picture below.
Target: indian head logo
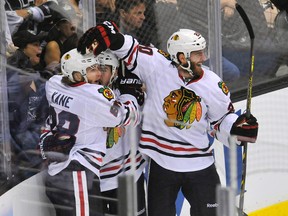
(182, 107)
(113, 136)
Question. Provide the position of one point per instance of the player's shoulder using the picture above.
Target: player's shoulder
(100, 91)
(209, 74)
(54, 80)
(215, 82)
(153, 52)
(164, 54)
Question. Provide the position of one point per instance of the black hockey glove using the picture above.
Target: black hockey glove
(53, 146)
(130, 84)
(245, 128)
(106, 35)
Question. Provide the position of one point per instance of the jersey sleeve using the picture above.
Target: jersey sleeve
(220, 109)
(223, 132)
(109, 111)
(141, 60)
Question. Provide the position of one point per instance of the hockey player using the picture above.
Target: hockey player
(183, 100)
(75, 141)
(117, 160)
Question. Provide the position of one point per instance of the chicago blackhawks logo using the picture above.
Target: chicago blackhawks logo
(107, 93)
(224, 87)
(182, 107)
(67, 56)
(113, 136)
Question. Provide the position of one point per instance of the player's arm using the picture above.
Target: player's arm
(107, 35)
(225, 122)
(243, 127)
(108, 111)
(138, 59)
(54, 146)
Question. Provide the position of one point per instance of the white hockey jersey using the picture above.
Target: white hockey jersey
(177, 114)
(83, 110)
(118, 160)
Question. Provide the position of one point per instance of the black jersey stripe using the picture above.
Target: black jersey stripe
(94, 164)
(175, 155)
(92, 151)
(121, 158)
(122, 170)
(165, 139)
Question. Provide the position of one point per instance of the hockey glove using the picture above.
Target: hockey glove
(52, 146)
(245, 128)
(101, 37)
(131, 84)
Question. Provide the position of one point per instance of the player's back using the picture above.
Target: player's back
(81, 110)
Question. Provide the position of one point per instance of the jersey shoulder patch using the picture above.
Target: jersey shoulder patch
(223, 87)
(106, 92)
(165, 54)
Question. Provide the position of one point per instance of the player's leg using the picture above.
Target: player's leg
(110, 206)
(94, 194)
(163, 187)
(199, 188)
(73, 190)
(141, 196)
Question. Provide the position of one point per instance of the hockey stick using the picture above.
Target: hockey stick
(248, 105)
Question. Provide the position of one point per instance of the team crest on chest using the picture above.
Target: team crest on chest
(223, 87)
(107, 93)
(182, 107)
(113, 136)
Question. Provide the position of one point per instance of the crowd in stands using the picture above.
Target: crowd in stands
(38, 33)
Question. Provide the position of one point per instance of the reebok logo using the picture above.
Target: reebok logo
(214, 205)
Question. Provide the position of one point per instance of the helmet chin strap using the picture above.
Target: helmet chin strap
(85, 78)
(188, 68)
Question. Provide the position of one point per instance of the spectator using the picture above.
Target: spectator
(10, 47)
(62, 37)
(28, 55)
(117, 160)
(132, 20)
(75, 4)
(132, 15)
(281, 28)
(35, 16)
(105, 10)
(236, 44)
(26, 102)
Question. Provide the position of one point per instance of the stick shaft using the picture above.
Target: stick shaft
(248, 105)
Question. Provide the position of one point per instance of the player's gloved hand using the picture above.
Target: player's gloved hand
(131, 84)
(53, 146)
(245, 128)
(101, 37)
